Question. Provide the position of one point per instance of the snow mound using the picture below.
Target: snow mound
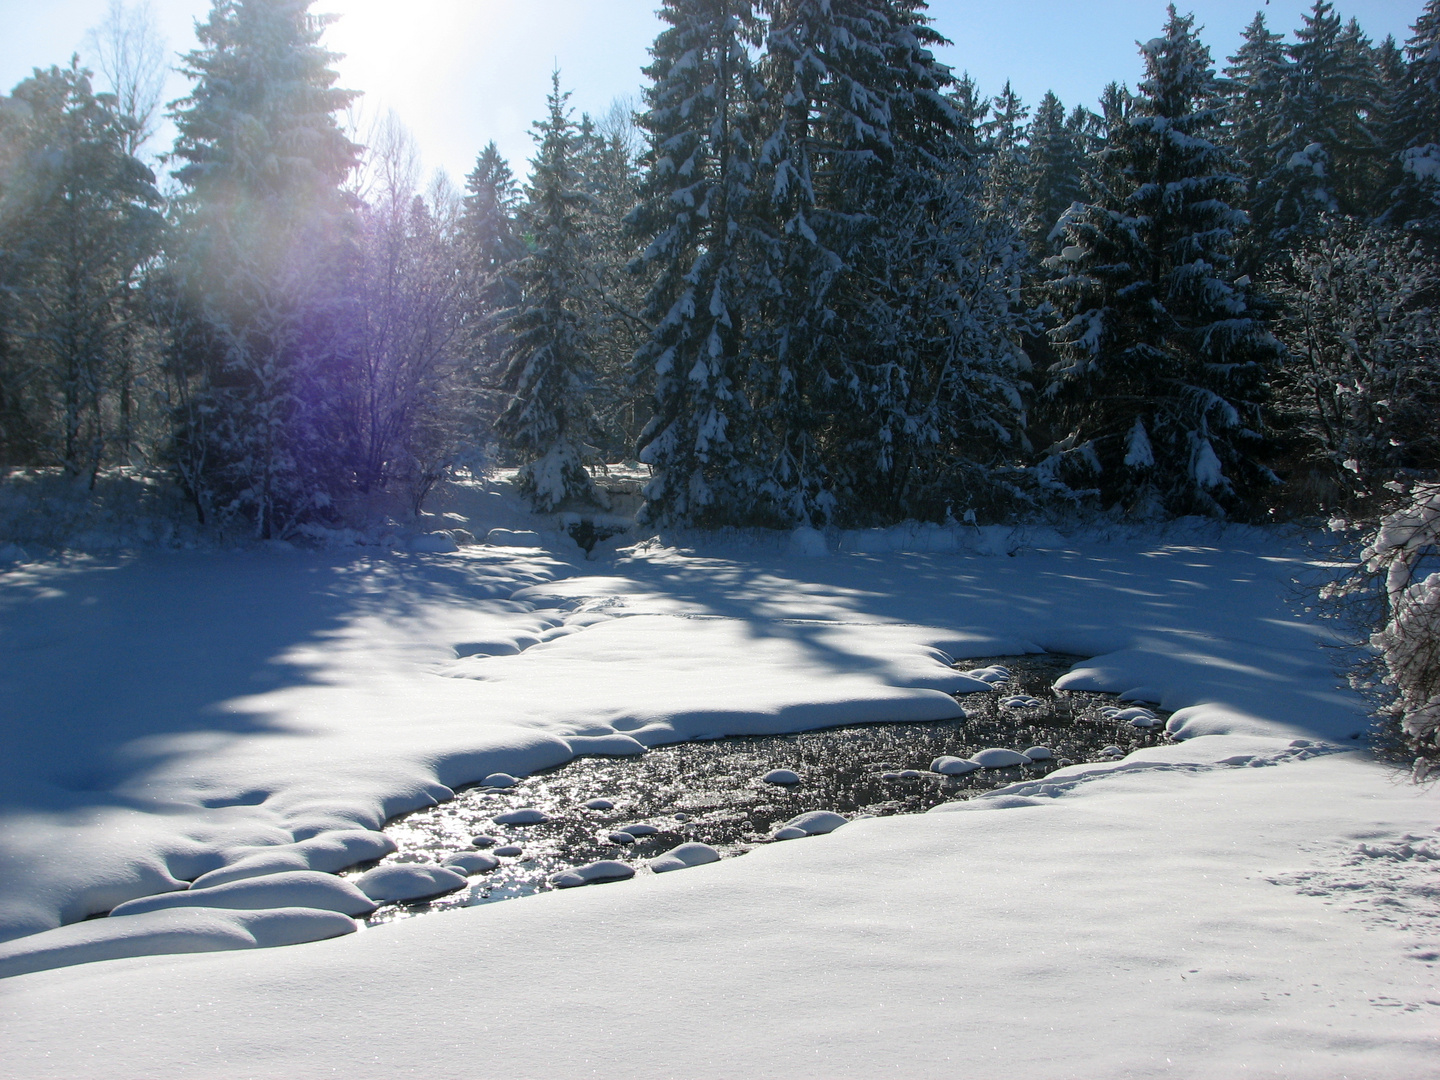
(814, 823)
(1039, 753)
(525, 816)
(781, 776)
(946, 765)
(995, 675)
(510, 851)
(808, 543)
(997, 758)
(1021, 701)
(173, 930)
(483, 841)
(641, 830)
(515, 538)
(436, 543)
(1135, 716)
(599, 804)
(409, 881)
(297, 889)
(471, 862)
(329, 852)
(620, 837)
(684, 856)
(593, 873)
(499, 779)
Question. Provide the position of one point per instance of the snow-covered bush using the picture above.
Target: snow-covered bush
(1401, 563)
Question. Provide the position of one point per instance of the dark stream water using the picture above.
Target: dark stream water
(711, 791)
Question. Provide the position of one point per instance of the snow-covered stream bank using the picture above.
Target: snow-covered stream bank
(178, 713)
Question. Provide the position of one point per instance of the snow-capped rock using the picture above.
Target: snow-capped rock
(408, 881)
(998, 758)
(947, 765)
(471, 862)
(683, 856)
(525, 816)
(593, 873)
(781, 776)
(813, 823)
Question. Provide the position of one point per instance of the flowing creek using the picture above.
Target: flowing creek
(711, 791)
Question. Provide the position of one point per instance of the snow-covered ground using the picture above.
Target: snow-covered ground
(1259, 899)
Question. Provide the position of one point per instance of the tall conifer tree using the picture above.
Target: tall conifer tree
(705, 243)
(1162, 356)
(550, 363)
(264, 242)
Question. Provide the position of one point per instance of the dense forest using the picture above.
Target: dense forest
(814, 277)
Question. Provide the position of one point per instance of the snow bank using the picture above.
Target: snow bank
(1194, 922)
(300, 889)
(260, 709)
(174, 930)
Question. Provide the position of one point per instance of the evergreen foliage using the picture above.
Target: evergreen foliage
(705, 241)
(79, 222)
(1162, 354)
(550, 359)
(265, 239)
(1414, 201)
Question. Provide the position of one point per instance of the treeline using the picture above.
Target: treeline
(814, 278)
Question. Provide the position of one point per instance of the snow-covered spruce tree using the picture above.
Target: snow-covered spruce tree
(1053, 176)
(1361, 387)
(1413, 202)
(492, 245)
(1253, 87)
(1161, 357)
(263, 245)
(609, 149)
(1006, 148)
(1322, 151)
(549, 362)
(893, 356)
(79, 218)
(705, 243)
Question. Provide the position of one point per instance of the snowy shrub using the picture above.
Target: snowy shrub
(1400, 567)
(1360, 391)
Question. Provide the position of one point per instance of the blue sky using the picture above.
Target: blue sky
(462, 72)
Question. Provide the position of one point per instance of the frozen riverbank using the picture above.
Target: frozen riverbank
(177, 713)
